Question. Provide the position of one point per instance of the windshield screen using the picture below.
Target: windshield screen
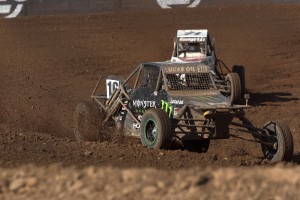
(191, 48)
(190, 81)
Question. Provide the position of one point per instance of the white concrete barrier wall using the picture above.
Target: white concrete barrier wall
(14, 8)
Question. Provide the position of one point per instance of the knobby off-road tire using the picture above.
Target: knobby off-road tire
(285, 144)
(87, 118)
(156, 129)
(200, 146)
(240, 70)
(233, 87)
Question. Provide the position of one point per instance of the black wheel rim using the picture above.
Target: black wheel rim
(228, 88)
(271, 148)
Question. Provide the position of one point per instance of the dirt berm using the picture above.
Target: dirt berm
(49, 64)
(55, 182)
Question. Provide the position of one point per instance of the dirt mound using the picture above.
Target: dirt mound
(54, 182)
(49, 64)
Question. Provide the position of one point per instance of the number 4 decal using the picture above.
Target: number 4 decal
(111, 86)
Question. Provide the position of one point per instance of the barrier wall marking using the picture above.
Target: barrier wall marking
(7, 8)
(166, 4)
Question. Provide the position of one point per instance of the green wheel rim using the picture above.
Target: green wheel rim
(150, 132)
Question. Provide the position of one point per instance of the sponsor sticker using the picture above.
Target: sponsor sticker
(176, 102)
(191, 69)
(167, 107)
(195, 39)
(143, 104)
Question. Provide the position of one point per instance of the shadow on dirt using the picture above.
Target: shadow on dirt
(260, 99)
(198, 146)
(296, 158)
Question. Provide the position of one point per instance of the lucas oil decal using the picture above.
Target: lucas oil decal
(190, 69)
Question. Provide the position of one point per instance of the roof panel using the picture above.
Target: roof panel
(192, 33)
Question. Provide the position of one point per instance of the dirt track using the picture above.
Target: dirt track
(49, 64)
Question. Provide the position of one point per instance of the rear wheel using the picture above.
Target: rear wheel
(87, 118)
(233, 87)
(281, 145)
(240, 70)
(156, 129)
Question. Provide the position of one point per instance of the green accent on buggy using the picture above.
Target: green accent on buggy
(167, 107)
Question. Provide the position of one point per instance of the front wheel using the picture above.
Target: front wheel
(233, 87)
(156, 129)
(280, 146)
(240, 70)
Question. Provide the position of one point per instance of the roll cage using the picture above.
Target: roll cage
(193, 44)
(153, 77)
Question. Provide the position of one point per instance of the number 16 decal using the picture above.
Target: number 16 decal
(111, 86)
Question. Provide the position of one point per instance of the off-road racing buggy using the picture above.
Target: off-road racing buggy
(196, 46)
(156, 104)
